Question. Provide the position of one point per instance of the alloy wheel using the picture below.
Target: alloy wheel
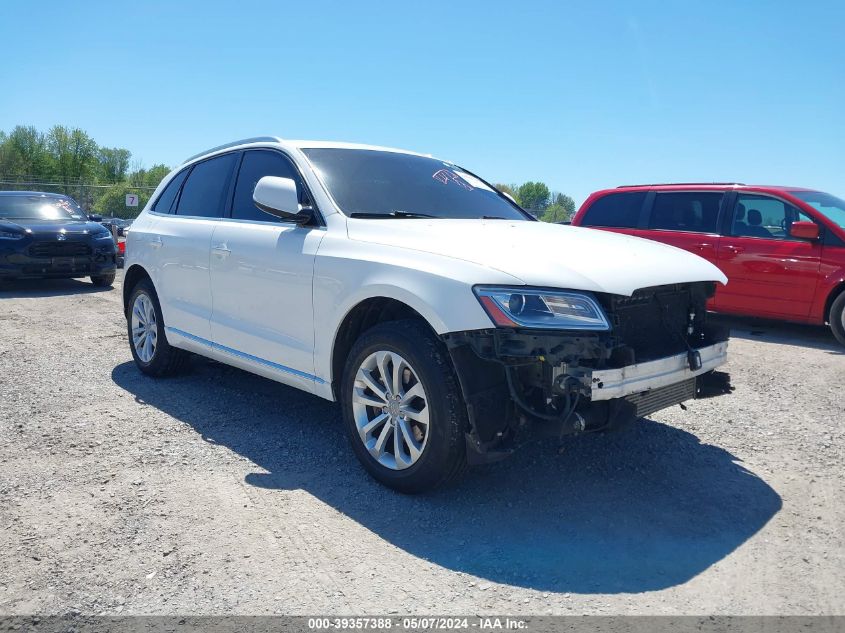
(144, 328)
(391, 410)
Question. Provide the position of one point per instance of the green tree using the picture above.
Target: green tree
(73, 154)
(561, 209)
(533, 195)
(112, 202)
(5, 155)
(25, 153)
(155, 175)
(113, 163)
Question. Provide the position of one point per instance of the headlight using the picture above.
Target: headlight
(9, 235)
(542, 309)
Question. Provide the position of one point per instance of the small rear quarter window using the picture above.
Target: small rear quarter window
(164, 203)
(620, 210)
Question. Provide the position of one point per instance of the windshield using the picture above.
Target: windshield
(824, 203)
(377, 183)
(39, 208)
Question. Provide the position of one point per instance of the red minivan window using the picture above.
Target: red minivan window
(619, 210)
(686, 211)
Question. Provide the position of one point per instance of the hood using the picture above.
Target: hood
(46, 227)
(546, 255)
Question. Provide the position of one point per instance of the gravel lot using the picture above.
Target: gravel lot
(220, 492)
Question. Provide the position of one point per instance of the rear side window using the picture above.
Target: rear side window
(686, 211)
(164, 204)
(205, 190)
(620, 210)
(256, 165)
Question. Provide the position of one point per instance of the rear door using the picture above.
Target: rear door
(770, 274)
(261, 278)
(183, 244)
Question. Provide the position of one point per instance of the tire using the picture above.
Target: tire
(837, 318)
(159, 358)
(441, 450)
(103, 281)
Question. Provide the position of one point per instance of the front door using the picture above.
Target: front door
(770, 274)
(261, 279)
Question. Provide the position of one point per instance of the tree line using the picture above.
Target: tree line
(67, 160)
(538, 199)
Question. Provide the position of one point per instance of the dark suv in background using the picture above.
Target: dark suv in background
(48, 235)
(782, 248)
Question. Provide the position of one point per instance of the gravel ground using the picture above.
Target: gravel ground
(219, 492)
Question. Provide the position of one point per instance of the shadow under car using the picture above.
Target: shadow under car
(642, 509)
(35, 288)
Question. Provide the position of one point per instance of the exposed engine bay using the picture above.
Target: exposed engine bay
(659, 351)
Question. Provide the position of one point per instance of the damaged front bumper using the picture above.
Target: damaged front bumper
(642, 377)
(564, 384)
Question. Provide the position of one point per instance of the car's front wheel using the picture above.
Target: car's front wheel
(837, 318)
(152, 353)
(403, 409)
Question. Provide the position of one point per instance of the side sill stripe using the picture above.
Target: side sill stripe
(249, 357)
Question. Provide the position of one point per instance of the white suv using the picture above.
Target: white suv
(442, 316)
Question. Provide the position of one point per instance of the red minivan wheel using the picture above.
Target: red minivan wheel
(837, 317)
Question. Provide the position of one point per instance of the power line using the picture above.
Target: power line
(73, 184)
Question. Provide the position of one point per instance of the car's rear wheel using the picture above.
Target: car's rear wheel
(837, 318)
(152, 353)
(403, 409)
(103, 281)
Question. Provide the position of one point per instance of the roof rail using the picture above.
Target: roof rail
(663, 184)
(254, 139)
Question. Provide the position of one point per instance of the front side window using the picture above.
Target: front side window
(764, 217)
(617, 210)
(831, 207)
(256, 165)
(164, 204)
(375, 183)
(205, 190)
(686, 211)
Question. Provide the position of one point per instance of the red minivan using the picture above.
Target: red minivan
(782, 248)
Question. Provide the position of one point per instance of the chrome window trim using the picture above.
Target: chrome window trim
(234, 220)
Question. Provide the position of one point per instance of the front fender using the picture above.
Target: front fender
(438, 288)
(830, 285)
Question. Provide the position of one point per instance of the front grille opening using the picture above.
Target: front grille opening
(653, 322)
(60, 249)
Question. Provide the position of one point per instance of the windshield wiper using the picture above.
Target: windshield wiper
(392, 214)
(492, 217)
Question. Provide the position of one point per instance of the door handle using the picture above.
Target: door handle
(734, 249)
(156, 243)
(702, 245)
(221, 250)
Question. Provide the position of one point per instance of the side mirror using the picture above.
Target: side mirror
(277, 196)
(804, 230)
(93, 217)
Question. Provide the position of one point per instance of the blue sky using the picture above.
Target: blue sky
(579, 95)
